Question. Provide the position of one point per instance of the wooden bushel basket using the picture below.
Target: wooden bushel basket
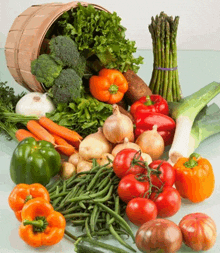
(26, 36)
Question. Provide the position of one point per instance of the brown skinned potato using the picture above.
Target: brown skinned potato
(137, 88)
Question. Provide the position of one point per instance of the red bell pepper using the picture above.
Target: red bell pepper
(165, 125)
(153, 103)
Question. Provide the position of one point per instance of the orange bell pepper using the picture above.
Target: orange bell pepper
(24, 192)
(41, 225)
(194, 178)
(109, 86)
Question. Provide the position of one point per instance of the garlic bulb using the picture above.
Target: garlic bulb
(118, 126)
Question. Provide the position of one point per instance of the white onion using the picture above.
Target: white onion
(34, 103)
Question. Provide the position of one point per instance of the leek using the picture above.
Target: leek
(206, 124)
(185, 112)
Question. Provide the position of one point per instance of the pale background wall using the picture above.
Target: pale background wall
(199, 27)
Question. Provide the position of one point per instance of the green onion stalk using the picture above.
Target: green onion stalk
(165, 78)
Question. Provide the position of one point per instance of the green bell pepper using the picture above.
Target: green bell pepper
(34, 162)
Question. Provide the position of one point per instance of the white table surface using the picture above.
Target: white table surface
(196, 69)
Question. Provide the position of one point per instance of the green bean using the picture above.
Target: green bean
(77, 193)
(81, 204)
(118, 218)
(117, 237)
(55, 192)
(67, 211)
(90, 207)
(69, 195)
(85, 197)
(110, 202)
(103, 183)
(93, 181)
(117, 209)
(82, 222)
(107, 197)
(56, 201)
(92, 218)
(111, 221)
(55, 184)
(87, 228)
(77, 179)
(73, 215)
(58, 195)
(64, 186)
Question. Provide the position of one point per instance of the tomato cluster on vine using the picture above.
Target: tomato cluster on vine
(147, 189)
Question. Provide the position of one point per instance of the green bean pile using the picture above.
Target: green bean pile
(89, 199)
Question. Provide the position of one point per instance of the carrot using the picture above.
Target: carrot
(63, 146)
(75, 143)
(35, 128)
(61, 131)
(21, 134)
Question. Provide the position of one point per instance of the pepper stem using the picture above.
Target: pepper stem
(148, 101)
(191, 163)
(39, 224)
(113, 89)
(29, 197)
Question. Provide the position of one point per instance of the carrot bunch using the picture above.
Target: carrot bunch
(65, 140)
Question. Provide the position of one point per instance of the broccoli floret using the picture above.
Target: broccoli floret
(81, 66)
(67, 86)
(64, 51)
(45, 69)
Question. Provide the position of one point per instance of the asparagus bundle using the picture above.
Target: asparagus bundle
(165, 79)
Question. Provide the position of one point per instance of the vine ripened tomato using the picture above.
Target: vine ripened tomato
(130, 187)
(141, 210)
(168, 202)
(163, 173)
(124, 163)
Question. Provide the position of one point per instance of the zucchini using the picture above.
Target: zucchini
(86, 245)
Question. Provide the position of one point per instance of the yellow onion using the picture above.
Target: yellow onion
(118, 126)
(151, 143)
(125, 144)
(146, 158)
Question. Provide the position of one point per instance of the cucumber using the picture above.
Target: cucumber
(86, 245)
